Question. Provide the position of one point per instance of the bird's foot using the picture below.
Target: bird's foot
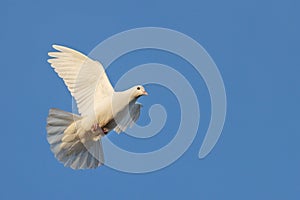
(105, 130)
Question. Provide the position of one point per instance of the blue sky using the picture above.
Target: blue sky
(255, 45)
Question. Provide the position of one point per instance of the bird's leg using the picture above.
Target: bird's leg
(95, 127)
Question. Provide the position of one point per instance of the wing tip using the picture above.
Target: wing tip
(60, 48)
(64, 49)
(56, 46)
(54, 54)
(51, 54)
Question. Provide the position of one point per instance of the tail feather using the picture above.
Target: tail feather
(66, 144)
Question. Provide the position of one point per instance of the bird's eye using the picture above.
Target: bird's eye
(138, 88)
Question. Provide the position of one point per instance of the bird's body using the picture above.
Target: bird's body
(76, 139)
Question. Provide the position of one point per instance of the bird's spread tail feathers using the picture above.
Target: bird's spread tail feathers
(63, 130)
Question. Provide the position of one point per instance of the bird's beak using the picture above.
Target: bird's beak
(145, 93)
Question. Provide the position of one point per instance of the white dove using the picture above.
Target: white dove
(75, 140)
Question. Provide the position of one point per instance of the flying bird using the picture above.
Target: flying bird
(75, 139)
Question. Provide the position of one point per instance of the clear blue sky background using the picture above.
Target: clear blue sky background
(256, 47)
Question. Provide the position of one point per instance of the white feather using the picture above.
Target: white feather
(85, 78)
(72, 153)
(72, 139)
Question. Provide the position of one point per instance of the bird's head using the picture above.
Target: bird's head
(138, 91)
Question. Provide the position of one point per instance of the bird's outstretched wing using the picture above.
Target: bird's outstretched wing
(85, 78)
(128, 117)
